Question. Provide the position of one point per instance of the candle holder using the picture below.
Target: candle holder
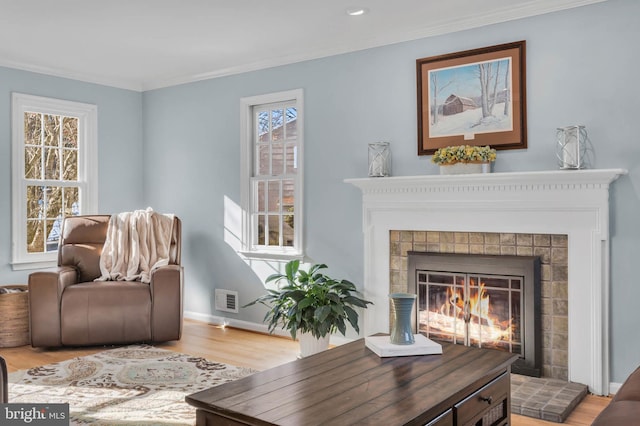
(571, 147)
(379, 159)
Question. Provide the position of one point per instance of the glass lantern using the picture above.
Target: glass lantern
(379, 159)
(571, 147)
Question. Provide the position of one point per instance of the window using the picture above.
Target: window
(271, 137)
(54, 172)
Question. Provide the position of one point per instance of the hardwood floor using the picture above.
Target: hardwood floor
(247, 349)
(228, 345)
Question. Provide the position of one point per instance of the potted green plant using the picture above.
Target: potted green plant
(311, 305)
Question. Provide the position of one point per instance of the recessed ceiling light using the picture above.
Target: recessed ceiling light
(357, 11)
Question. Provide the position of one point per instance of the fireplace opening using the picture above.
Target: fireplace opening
(480, 300)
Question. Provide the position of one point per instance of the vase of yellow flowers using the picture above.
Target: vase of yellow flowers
(464, 159)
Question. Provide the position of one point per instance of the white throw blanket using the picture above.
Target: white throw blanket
(137, 242)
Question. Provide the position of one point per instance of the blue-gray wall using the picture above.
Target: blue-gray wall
(581, 69)
(120, 159)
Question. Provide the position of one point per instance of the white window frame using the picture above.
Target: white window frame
(247, 151)
(87, 115)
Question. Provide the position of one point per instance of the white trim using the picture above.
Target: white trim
(575, 203)
(260, 255)
(246, 171)
(253, 326)
(87, 115)
(27, 265)
(245, 325)
(120, 83)
(614, 387)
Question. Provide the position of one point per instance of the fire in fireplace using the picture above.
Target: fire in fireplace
(480, 300)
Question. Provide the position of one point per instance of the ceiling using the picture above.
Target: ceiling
(147, 44)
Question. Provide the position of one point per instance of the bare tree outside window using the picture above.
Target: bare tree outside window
(51, 169)
(54, 173)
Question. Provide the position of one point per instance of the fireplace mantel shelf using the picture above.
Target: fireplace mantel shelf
(564, 202)
(550, 179)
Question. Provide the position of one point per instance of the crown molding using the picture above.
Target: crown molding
(118, 83)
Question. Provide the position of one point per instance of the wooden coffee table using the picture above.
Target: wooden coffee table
(351, 385)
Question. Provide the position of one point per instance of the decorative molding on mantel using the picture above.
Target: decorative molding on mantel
(520, 181)
(567, 202)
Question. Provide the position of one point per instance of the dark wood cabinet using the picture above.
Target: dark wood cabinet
(352, 385)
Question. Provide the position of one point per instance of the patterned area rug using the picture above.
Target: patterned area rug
(134, 385)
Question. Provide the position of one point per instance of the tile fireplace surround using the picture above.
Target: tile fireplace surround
(572, 203)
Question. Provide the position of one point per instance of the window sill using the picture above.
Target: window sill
(24, 265)
(262, 255)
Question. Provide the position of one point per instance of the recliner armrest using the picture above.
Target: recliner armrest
(166, 303)
(45, 293)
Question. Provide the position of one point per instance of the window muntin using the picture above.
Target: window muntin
(54, 173)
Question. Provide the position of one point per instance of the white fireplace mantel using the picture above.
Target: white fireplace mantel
(574, 203)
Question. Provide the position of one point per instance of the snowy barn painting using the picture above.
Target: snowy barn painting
(473, 97)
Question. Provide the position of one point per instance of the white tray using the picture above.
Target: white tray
(382, 346)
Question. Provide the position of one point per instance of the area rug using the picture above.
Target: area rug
(133, 385)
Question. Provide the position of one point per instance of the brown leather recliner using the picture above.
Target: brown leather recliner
(624, 408)
(69, 308)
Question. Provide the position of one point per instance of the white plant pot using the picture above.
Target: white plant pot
(465, 168)
(310, 345)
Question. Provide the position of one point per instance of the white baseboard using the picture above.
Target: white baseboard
(245, 325)
(253, 326)
(614, 387)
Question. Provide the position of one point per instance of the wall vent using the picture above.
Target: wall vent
(226, 300)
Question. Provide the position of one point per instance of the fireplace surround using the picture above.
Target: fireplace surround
(572, 203)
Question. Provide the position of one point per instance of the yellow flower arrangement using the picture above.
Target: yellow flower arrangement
(464, 154)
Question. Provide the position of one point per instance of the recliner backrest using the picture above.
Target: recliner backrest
(81, 242)
(82, 239)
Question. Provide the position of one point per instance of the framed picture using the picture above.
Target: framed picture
(475, 97)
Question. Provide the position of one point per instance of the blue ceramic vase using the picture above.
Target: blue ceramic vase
(402, 307)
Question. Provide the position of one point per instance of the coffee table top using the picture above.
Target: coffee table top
(350, 384)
